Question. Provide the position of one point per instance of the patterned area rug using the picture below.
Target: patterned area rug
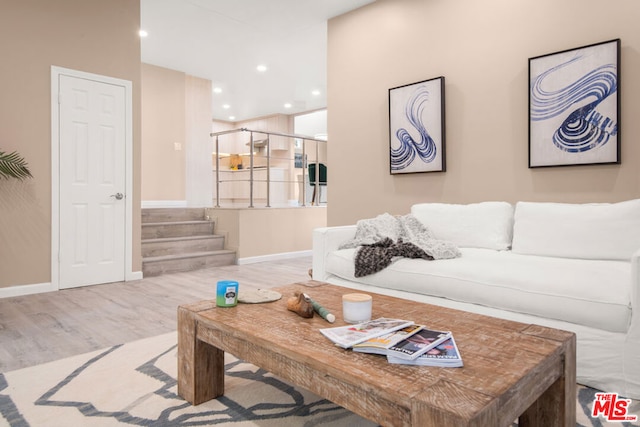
(134, 384)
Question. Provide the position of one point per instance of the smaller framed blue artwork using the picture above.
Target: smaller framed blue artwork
(417, 127)
(574, 106)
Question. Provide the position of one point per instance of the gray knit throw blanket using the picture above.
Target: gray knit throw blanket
(385, 238)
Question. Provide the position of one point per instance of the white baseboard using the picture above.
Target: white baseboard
(164, 204)
(134, 275)
(273, 257)
(20, 290)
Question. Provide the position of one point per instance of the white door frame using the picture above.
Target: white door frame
(56, 72)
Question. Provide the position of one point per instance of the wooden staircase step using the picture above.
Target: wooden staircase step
(155, 266)
(172, 214)
(177, 245)
(180, 239)
(156, 230)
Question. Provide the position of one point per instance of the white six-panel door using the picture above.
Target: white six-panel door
(92, 178)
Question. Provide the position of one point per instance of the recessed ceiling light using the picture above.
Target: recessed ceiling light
(226, 106)
(232, 117)
(315, 92)
(287, 105)
(143, 33)
(261, 68)
(217, 90)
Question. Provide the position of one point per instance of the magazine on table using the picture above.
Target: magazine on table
(445, 355)
(350, 335)
(418, 343)
(379, 345)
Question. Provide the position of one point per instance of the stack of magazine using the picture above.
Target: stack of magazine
(402, 341)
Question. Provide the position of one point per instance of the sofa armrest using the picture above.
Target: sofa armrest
(631, 361)
(635, 284)
(325, 241)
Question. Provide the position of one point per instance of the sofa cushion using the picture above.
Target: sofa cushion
(477, 225)
(585, 292)
(587, 231)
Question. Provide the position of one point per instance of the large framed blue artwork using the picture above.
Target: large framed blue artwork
(574, 106)
(416, 127)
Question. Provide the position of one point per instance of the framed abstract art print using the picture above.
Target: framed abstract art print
(574, 106)
(416, 127)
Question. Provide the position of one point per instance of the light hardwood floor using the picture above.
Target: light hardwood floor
(39, 328)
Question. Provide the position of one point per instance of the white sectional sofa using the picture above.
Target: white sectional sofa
(569, 266)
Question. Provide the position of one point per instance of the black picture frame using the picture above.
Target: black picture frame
(417, 127)
(574, 106)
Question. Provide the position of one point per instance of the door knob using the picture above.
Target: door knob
(118, 196)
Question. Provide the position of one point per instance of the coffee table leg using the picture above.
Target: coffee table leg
(200, 365)
(556, 407)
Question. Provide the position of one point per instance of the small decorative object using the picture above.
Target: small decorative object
(574, 106)
(227, 293)
(356, 308)
(323, 312)
(235, 162)
(300, 305)
(416, 127)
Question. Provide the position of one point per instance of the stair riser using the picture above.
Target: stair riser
(187, 264)
(176, 230)
(172, 214)
(153, 249)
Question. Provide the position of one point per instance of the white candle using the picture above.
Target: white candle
(356, 308)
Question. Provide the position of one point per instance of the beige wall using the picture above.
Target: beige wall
(199, 145)
(176, 145)
(262, 231)
(482, 49)
(93, 36)
(163, 126)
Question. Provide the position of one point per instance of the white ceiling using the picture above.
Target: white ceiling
(225, 40)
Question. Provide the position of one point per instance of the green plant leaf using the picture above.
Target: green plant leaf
(13, 166)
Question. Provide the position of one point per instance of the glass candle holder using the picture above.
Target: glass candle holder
(356, 308)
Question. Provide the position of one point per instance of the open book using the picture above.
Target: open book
(350, 335)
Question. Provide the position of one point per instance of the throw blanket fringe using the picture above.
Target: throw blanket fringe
(383, 239)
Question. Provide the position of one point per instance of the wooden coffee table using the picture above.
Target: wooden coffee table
(511, 370)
